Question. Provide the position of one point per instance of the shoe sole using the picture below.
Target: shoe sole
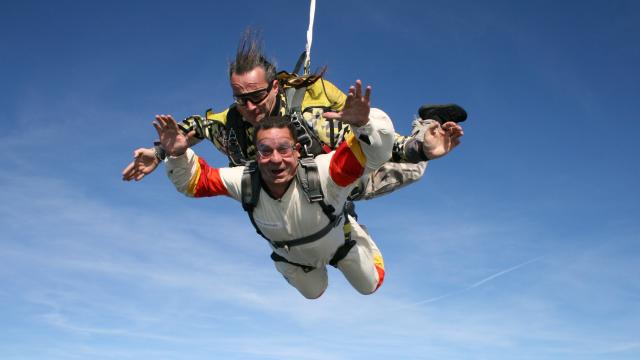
(443, 113)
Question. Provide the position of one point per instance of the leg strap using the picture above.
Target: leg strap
(277, 258)
(343, 250)
(341, 253)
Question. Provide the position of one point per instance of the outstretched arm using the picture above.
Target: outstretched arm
(440, 140)
(190, 174)
(409, 149)
(146, 160)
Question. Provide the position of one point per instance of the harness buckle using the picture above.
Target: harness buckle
(315, 198)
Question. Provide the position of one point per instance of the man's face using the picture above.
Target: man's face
(277, 157)
(254, 95)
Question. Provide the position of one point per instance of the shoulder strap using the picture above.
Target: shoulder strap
(294, 99)
(250, 187)
(250, 192)
(308, 176)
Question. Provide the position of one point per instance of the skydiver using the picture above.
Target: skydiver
(258, 91)
(275, 190)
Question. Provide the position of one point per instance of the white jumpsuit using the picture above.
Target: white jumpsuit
(293, 216)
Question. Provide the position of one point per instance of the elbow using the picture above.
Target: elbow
(382, 137)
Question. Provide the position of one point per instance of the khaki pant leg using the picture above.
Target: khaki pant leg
(311, 285)
(390, 177)
(363, 266)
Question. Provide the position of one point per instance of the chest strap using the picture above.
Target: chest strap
(307, 239)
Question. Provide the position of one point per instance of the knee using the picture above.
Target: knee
(308, 288)
(311, 295)
(311, 290)
(369, 289)
(372, 285)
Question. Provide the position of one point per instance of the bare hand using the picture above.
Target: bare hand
(440, 140)
(173, 141)
(144, 162)
(356, 108)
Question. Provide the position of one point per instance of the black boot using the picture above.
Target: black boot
(443, 113)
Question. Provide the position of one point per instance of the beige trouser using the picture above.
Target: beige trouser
(363, 267)
(390, 177)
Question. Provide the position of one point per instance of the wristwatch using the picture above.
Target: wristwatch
(159, 151)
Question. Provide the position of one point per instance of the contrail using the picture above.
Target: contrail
(483, 281)
(498, 274)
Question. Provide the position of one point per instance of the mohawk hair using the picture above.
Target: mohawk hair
(249, 56)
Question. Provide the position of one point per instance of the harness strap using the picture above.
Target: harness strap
(296, 101)
(299, 63)
(344, 249)
(300, 241)
(340, 254)
(309, 179)
(250, 185)
(308, 176)
(294, 96)
(306, 137)
(277, 258)
(250, 192)
(309, 238)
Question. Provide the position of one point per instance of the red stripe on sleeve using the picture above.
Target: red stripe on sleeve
(210, 182)
(345, 168)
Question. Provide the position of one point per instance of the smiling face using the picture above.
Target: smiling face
(254, 84)
(277, 159)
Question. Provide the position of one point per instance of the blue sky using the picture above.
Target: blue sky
(524, 243)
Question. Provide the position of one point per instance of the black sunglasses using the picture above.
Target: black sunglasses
(256, 97)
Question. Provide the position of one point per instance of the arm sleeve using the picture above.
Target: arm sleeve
(364, 150)
(196, 123)
(407, 149)
(192, 176)
(210, 127)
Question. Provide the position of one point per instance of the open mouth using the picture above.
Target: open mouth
(277, 172)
